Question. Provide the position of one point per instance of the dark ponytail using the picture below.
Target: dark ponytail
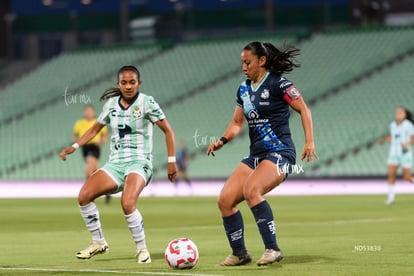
(408, 115)
(115, 91)
(109, 93)
(277, 61)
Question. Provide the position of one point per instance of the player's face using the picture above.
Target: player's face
(89, 113)
(400, 114)
(129, 84)
(252, 65)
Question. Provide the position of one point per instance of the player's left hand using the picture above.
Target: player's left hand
(309, 152)
(172, 171)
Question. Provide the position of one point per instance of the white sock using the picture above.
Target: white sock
(136, 226)
(391, 192)
(90, 215)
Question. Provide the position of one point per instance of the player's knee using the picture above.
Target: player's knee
(224, 203)
(83, 199)
(251, 194)
(407, 178)
(128, 206)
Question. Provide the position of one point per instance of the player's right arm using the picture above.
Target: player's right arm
(85, 138)
(233, 129)
(384, 139)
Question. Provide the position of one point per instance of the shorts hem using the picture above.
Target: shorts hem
(140, 174)
(111, 176)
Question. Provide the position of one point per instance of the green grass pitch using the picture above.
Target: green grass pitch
(320, 235)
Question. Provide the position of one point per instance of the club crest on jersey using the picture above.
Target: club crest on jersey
(265, 94)
(137, 112)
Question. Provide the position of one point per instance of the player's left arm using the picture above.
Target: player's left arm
(300, 106)
(165, 126)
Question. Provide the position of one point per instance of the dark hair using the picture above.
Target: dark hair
(115, 91)
(408, 115)
(277, 61)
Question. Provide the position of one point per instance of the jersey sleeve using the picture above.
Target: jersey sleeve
(239, 101)
(153, 110)
(289, 91)
(243, 88)
(103, 118)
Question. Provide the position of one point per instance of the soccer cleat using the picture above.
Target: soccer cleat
(96, 247)
(270, 256)
(143, 256)
(233, 260)
(390, 201)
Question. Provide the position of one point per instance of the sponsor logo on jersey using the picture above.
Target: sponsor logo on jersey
(285, 84)
(253, 114)
(264, 103)
(114, 113)
(265, 94)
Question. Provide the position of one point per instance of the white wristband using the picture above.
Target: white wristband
(171, 159)
(75, 145)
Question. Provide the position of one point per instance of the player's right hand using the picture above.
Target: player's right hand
(66, 151)
(214, 146)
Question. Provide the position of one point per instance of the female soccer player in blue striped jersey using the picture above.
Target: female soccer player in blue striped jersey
(263, 100)
(400, 154)
(131, 116)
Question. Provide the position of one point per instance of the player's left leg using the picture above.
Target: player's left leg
(406, 164)
(134, 184)
(266, 177)
(407, 175)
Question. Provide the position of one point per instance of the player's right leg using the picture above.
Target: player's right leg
(231, 195)
(96, 185)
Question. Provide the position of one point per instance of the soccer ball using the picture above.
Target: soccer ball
(181, 253)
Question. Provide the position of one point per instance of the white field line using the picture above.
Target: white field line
(40, 269)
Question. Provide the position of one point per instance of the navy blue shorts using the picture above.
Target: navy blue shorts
(284, 160)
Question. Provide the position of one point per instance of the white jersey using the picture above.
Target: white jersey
(400, 134)
(131, 137)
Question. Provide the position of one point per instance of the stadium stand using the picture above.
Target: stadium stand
(334, 58)
(196, 84)
(358, 117)
(179, 65)
(69, 71)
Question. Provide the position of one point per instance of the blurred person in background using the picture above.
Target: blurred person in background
(401, 138)
(182, 158)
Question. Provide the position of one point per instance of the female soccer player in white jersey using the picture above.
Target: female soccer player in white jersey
(263, 100)
(130, 115)
(400, 154)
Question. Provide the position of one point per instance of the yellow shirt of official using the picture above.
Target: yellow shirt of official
(82, 125)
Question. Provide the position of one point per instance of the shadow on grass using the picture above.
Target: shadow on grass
(154, 256)
(306, 259)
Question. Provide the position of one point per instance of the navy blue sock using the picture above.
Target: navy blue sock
(234, 227)
(263, 215)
